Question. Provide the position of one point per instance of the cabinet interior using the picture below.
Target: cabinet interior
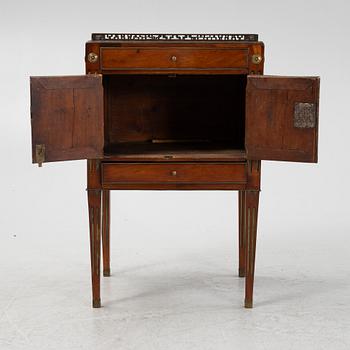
(182, 116)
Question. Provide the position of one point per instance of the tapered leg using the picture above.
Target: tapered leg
(106, 232)
(250, 224)
(94, 200)
(241, 235)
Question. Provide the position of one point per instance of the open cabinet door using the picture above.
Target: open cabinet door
(67, 118)
(282, 118)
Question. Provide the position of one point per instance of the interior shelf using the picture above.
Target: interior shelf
(178, 151)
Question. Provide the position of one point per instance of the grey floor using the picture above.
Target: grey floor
(174, 285)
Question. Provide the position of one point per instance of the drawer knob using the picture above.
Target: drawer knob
(174, 173)
(173, 58)
(256, 59)
(92, 57)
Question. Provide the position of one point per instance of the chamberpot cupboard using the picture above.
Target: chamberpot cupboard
(174, 112)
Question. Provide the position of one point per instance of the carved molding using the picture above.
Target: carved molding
(172, 37)
(95, 219)
(251, 238)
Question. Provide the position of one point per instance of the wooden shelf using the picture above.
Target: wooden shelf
(163, 152)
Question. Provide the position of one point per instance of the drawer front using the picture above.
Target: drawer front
(113, 173)
(172, 58)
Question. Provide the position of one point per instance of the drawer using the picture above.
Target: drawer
(113, 173)
(172, 58)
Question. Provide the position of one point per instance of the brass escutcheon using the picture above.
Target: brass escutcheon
(40, 154)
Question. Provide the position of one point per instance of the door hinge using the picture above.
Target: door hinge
(40, 154)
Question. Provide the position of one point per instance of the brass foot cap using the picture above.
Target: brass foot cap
(248, 304)
(106, 272)
(96, 303)
(241, 273)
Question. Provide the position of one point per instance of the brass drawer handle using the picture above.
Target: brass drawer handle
(174, 173)
(173, 58)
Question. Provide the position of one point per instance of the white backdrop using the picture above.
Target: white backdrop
(44, 225)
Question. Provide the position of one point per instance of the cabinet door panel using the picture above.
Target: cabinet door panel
(282, 118)
(67, 118)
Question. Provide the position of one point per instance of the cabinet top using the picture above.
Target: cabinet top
(172, 37)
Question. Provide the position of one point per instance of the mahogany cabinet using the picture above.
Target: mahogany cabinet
(174, 112)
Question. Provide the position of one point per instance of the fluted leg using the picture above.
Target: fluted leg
(241, 235)
(94, 200)
(106, 232)
(250, 224)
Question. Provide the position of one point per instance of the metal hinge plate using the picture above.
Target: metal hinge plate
(304, 115)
